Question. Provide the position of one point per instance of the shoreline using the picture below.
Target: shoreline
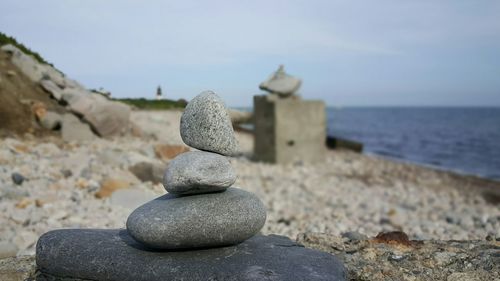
(431, 166)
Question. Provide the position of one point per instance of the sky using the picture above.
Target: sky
(348, 53)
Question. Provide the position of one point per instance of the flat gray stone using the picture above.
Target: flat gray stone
(76, 254)
(198, 172)
(196, 221)
(27, 64)
(205, 125)
(281, 83)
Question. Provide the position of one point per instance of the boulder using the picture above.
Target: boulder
(109, 118)
(52, 89)
(79, 100)
(51, 120)
(106, 117)
(33, 69)
(54, 75)
(72, 129)
(27, 64)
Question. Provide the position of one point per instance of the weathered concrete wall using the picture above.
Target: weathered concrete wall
(289, 130)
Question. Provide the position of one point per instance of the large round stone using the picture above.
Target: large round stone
(205, 125)
(198, 172)
(203, 220)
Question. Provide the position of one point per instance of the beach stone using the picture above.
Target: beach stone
(203, 220)
(198, 172)
(51, 87)
(205, 125)
(281, 83)
(108, 118)
(17, 178)
(72, 129)
(27, 64)
(74, 254)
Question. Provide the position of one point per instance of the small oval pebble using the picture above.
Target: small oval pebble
(204, 220)
(198, 172)
(206, 125)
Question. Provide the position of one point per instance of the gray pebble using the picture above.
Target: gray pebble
(66, 173)
(205, 125)
(17, 178)
(198, 172)
(204, 220)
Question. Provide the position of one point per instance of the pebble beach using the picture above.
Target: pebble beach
(48, 184)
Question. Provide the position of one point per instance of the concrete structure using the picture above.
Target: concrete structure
(289, 130)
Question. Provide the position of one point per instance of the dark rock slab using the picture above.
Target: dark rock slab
(75, 254)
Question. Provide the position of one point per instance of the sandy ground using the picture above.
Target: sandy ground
(347, 192)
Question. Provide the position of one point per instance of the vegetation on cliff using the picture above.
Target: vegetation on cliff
(5, 39)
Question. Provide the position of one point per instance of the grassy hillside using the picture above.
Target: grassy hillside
(146, 104)
(5, 39)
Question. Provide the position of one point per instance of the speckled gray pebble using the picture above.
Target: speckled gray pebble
(204, 220)
(198, 172)
(112, 255)
(205, 125)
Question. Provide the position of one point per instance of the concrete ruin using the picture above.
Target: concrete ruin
(289, 129)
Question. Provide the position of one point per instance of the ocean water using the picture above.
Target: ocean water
(464, 140)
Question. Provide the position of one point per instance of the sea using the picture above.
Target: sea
(465, 140)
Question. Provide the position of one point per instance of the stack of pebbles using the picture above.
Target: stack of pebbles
(201, 210)
(179, 236)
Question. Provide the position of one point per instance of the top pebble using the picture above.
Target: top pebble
(206, 125)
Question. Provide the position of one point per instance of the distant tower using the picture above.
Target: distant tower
(158, 93)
